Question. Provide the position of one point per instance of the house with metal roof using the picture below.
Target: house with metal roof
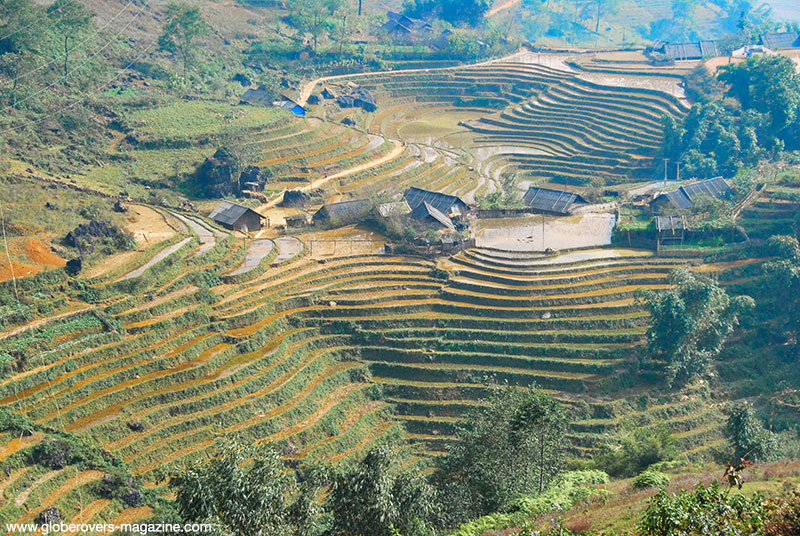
(449, 205)
(690, 51)
(687, 196)
(550, 201)
(343, 213)
(431, 216)
(781, 40)
(236, 217)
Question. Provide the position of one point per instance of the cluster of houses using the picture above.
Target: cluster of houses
(424, 209)
(767, 43)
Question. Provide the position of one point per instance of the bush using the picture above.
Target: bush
(704, 511)
(636, 452)
(650, 479)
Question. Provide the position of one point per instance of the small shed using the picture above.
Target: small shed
(449, 205)
(296, 221)
(432, 217)
(236, 217)
(557, 202)
(669, 229)
(344, 213)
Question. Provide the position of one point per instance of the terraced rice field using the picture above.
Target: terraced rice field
(322, 358)
(509, 116)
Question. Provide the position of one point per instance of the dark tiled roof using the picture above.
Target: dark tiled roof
(691, 51)
(442, 202)
(683, 51)
(777, 41)
(685, 196)
(229, 213)
(552, 200)
(344, 211)
(425, 210)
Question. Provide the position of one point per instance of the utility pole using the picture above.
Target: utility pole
(666, 164)
(542, 231)
(359, 8)
(677, 171)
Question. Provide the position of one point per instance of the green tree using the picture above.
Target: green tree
(184, 25)
(783, 286)
(315, 17)
(375, 499)
(246, 490)
(767, 84)
(512, 447)
(456, 12)
(691, 321)
(748, 437)
(69, 18)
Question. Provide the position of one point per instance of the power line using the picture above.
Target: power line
(75, 103)
(15, 32)
(76, 47)
(53, 84)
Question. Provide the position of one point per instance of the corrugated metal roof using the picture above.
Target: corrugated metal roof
(685, 196)
(425, 210)
(716, 187)
(683, 51)
(229, 213)
(670, 223)
(549, 200)
(780, 40)
(444, 203)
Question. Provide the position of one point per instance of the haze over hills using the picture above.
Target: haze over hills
(430, 268)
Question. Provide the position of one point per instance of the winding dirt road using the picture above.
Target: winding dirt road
(501, 7)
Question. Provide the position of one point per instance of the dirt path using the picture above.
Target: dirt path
(394, 153)
(505, 5)
(399, 147)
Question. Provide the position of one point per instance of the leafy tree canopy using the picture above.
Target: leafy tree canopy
(691, 321)
(375, 499)
(184, 25)
(245, 490)
(748, 437)
(636, 451)
(514, 446)
(456, 12)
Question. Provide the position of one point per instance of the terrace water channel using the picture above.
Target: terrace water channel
(537, 232)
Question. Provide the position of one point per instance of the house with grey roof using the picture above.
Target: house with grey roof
(687, 196)
(690, 51)
(781, 40)
(432, 217)
(343, 213)
(449, 205)
(557, 202)
(236, 217)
